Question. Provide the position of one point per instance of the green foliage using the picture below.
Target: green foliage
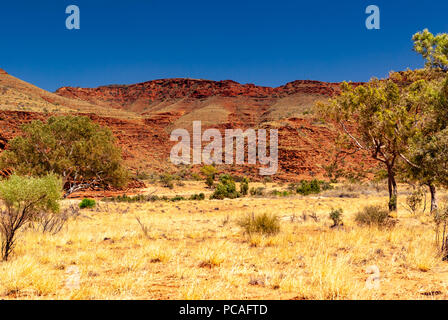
(166, 180)
(210, 174)
(373, 216)
(35, 193)
(433, 48)
(87, 203)
(264, 223)
(25, 199)
(336, 216)
(277, 193)
(72, 147)
(414, 200)
(225, 189)
(210, 181)
(259, 191)
(312, 187)
(244, 186)
(152, 198)
(199, 196)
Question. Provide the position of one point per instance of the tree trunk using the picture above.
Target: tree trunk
(432, 189)
(392, 186)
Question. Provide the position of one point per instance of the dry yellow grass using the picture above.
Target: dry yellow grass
(195, 250)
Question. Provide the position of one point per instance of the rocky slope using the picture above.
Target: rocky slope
(143, 115)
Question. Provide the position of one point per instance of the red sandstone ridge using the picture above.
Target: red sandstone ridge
(144, 97)
(3, 71)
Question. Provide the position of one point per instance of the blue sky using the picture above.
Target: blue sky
(262, 42)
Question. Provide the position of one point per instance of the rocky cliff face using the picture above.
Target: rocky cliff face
(138, 96)
(143, 115)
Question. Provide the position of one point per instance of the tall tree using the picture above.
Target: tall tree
(379, 118)
(75, 148)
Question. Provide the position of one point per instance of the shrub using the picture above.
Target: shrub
(336, 216)
(262, 223)
(199, 196)
(244, 186)
(25, 199)
(225, 189)
(277, 193)
(257, 191)
(87, 203)
(210, 181)
(141, 175)
(177, 198)
(414, 201)
(167, 180)
(373, 216)
(312, 187)
(210, 173)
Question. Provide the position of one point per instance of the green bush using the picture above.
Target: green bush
(166, 180)
(312, 187)
(277, 193)
(336, 216)
(225, 189)
(69, 146)
(257, 191)
(177, 198)
(373, 216)
(210, 173)
(199, 196)
(87, 203)
(264, 223)
(244, 186)
(25, 199)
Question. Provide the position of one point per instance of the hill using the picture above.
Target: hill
(143, 115)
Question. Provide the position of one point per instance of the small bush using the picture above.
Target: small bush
(177, 198)
(373, 216)
(336, 216)
(225, 189)
(141, 175)
(257, 191)
(312, 187)
(25, 199)
(167, 181)
(244, 186)
(262, 223)
(210, 173)
(199, 196)
(277, 193)
(414, 201)
(87, 203)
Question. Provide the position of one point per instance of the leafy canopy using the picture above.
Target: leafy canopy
(32, 193)
(73, 147)
(433, 48)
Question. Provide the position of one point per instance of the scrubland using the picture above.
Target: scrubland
(197, 250)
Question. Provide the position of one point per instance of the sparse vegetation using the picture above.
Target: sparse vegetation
(225, 189)
(336, 216)
(374, 216)
(87, 204)
(264, 223)
(83, 153)
(25, 199)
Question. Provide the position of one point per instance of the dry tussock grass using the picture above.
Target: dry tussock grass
(196, 250)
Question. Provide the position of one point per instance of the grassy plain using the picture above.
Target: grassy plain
(196, 250)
